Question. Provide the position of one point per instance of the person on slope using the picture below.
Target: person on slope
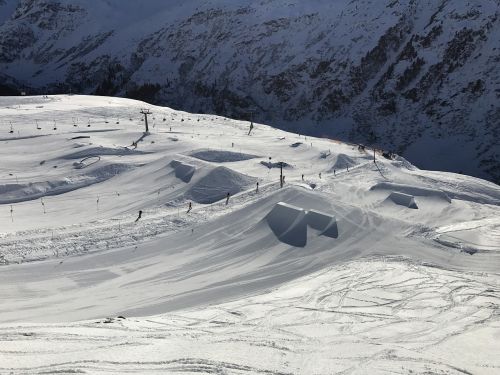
(251, 128)
(227, 198)
(257, 189)
(190, 207)
(138, 217)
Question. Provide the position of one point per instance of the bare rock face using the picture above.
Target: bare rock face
(421, 78)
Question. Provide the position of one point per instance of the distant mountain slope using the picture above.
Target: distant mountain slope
(421, 78)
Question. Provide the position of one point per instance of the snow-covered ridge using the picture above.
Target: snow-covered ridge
(417, 77)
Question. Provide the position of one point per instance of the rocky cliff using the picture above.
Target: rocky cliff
(421, 78)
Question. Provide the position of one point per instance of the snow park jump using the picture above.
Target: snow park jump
(290, 223)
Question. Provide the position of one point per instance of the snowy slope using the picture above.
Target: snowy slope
(344, 277)
(417, 77)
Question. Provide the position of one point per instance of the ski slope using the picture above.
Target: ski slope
(353, 266)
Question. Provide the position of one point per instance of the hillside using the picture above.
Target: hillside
(354, 265)
(420, 78)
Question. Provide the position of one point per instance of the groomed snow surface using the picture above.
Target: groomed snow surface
(353, 267)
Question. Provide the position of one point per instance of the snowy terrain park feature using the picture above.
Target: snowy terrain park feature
(180, 250)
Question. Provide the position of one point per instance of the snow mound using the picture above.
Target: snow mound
(288, 223)
(343, 161)
(324, 223)
(100, 151)
(403, 200)
(221, 156)
(412, 190)
(215, 185)
(182, 170)
(14, 193)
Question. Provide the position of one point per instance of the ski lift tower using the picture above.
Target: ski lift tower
(146, 112)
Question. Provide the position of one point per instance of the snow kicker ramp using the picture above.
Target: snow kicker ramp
(342, 162)
(405, 200)
(289, 223)
(215, 185)
(412, 190)
(183, 171)
(324, 223)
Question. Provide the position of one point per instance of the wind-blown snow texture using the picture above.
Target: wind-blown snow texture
(339, 279)
(421, 78)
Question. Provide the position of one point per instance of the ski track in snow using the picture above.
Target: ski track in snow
(394, 317)
(397, 290)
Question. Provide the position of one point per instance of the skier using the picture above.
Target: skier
(251, 128)
(140, 215)
(257, 189)
(227, 198)
(190, 207)
(334, 172)
(302, 177)
(320, 175)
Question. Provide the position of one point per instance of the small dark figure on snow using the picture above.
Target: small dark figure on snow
(334, 172)
(257, 188)
(320, 175)
(251, 128)
(190, 207)
(227, 198)
(302, 177)
(138, 217)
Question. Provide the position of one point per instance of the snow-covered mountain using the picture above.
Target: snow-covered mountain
(421, 78)
(352, 266)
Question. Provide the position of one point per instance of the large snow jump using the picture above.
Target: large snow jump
(324, 223)
(183, 171)
(289, 223)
